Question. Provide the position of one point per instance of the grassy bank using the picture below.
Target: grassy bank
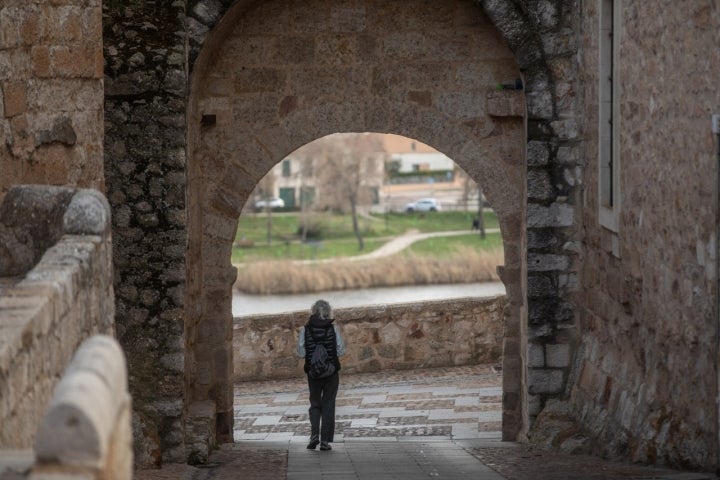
(463, 265)
(273, 268)
(332, 236)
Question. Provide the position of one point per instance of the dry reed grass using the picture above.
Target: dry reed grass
(466, 265)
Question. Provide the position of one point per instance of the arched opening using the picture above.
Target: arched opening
(428, 323)
(341, 197)
(249, 110)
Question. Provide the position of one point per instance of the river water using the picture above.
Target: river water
(244, 304)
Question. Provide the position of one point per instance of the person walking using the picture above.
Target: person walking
(320, 330)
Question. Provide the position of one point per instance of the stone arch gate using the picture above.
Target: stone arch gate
(266, 78)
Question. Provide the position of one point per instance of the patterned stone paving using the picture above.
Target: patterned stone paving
(439, 423)
(451, 403)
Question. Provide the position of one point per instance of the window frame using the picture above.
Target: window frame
(286, 168)
(609, 198)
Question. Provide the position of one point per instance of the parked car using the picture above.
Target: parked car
(273, 202)
(423, 205)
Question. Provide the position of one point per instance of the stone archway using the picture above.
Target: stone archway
(159, 162)
(253, 103)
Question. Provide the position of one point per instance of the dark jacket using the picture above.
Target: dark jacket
(318, 330)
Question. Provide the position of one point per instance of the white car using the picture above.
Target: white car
(423, 205)
(273, 202)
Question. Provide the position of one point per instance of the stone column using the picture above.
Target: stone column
(145, 103)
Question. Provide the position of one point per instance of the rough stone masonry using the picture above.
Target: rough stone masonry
(611, 326)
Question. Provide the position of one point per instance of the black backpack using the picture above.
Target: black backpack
(320, 365)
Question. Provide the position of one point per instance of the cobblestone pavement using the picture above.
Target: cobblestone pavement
(520, 462)
(458, 403)
(403, 425)
(267, 461)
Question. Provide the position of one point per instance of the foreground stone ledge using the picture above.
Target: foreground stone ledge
(15, 464)
(86, 429)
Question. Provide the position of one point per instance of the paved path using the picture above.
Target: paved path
(429, 403)
(403, 241)
(403, 425)
(397, 244)
(377, 460)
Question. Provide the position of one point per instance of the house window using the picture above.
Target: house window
(286, 168)
(609, 127)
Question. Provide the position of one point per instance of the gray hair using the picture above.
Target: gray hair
(322, 309)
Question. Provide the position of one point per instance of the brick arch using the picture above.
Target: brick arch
(222, 173)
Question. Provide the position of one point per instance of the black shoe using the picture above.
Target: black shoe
(314, 440)
(325, 446)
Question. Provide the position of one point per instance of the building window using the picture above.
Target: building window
(609, 127)
(286, 168)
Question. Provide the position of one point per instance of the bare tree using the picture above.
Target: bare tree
(480, 215)
(264, 190)
(307, 156)
(346, 168)
(470, 188)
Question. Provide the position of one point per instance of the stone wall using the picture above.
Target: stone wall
(51, 93)
(272, 76)
(296, 71)
(543, 35)
(46, 312)
(145, 102)
(646, 382)
(384, 337)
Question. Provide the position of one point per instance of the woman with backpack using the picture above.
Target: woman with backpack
(320, 343)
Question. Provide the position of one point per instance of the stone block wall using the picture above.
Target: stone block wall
(543, 35)
(646, 384)
(51, 93)
(47, 311)
(145, 136)
(384, 337)
(272, 76)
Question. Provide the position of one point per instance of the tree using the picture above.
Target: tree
(306, 157)
(480, 216)
(265, 189)
(348, 166)
(470, 187)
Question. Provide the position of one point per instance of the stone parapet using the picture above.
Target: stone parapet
(382, 337)
(87, 428)
(47, 312)
(86, 431)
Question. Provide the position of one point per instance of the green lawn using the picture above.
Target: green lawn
(438, 221)
(433, 246)
(294, 250)
(333, 235)
(254, 226)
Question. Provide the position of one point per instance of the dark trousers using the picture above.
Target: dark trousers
(322, 406)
